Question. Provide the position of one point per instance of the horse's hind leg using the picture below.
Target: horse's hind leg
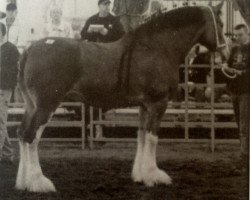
(136, 172)
(30, 174)
(151, 174)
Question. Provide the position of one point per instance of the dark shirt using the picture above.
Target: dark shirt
(112, 23)
(240, 59)
(8, 66)
(130, 7)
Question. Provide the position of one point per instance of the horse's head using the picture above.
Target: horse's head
(213, 36)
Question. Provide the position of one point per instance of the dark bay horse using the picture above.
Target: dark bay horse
(139, 69)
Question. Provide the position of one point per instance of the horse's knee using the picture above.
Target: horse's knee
(30, 124)
(29, 137)
(25, 135)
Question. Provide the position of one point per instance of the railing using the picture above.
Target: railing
(18, 109)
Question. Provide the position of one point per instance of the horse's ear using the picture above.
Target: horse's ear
(219, 7)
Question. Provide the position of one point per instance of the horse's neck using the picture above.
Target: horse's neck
(176, 44)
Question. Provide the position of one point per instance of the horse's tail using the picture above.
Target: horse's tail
(22, 63)
(21, 79)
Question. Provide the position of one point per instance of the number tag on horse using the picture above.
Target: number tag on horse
(50, 41)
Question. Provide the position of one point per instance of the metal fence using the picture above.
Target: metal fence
(18, 109)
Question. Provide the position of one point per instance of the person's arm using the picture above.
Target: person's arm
(86, 34)
(117, 31)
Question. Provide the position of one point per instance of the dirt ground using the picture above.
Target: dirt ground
(104, 173)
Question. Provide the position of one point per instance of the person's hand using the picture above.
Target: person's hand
(90, 30)
(238, 72)
(104, 31)
(228, 69)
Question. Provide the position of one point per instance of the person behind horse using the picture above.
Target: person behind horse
(57, 27)
(8, 79)
(197, 55)
(221, 93)
(239, 64)
(12, 24)
(110, 29)
(132, 13)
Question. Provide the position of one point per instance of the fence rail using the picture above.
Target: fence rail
(18, 109)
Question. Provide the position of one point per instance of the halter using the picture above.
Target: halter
(218, 45)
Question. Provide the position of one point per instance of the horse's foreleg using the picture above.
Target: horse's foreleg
(136, 172)
(150, 172)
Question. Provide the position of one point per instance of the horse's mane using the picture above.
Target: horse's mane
(173, 19)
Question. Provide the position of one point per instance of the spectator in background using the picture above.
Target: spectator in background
(8, 79)
(200, 56)
(195, 76)
(239, 65)
(221, 93)
(57, 27)
(2, 15)
(12, 24)
(102, 27)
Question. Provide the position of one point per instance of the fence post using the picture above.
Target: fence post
(91, 123)
(186, 100)
(212, 135)
(83, 125)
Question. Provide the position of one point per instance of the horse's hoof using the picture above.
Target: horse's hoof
(136, 177)
(41, 184)
(156, 176)
(20, 186)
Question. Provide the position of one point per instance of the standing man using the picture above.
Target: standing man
(12, 24)
(8, 77)
(239, 65)
(102, 27)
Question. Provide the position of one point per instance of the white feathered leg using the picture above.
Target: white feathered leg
(22, 169)
(136, 172)
(151, 174)
(35, 181)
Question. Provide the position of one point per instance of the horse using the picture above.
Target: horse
(141, 68)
